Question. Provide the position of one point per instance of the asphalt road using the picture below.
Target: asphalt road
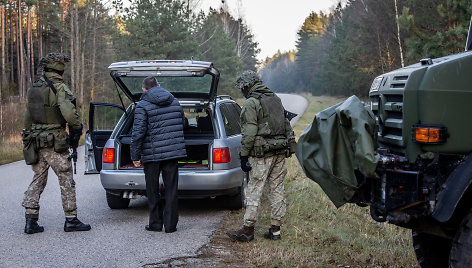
(117, 238)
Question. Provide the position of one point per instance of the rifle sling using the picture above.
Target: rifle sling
(51, 86)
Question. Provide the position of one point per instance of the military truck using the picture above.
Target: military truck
(423, 115)
(408, 156)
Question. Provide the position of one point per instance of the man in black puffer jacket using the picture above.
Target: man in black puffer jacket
(158, 143)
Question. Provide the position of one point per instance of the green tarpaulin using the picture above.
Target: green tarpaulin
(340, 140)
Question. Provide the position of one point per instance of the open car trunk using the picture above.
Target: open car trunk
(198, 133)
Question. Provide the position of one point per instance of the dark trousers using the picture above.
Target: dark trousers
(170, 176)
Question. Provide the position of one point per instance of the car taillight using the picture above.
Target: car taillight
(221, 155)
(108, 155)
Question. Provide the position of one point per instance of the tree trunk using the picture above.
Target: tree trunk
(77, 47)
(398, 35)
(63, 24)
(18, 51)
(28, 72)
(4, 74)
(72, 55)
(22, 77)
(82, 73)
(7, 55)
(31, 48)
(12, 74)
(40, 31)
(94, 48)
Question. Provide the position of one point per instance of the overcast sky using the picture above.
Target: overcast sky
(274, 23)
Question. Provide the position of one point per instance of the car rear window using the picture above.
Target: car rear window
(230, 123)
(192, 84)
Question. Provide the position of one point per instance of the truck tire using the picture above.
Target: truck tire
(116, 201)
(237, 201)
(461, 252)
(431, 250)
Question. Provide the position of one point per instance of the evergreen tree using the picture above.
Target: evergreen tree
(443, 35)
(156, 29)
(218, 47)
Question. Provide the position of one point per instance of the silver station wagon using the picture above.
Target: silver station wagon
(212, 134)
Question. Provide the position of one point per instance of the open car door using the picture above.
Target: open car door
(103, 118)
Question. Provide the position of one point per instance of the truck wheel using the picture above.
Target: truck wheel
(116, 201)
(237, 201)
(461, 252)
(431, 250)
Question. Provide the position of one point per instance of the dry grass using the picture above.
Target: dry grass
(315, 233)
(11, 150)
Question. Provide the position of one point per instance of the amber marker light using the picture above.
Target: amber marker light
(429, 134)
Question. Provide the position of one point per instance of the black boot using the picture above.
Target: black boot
(32, 226)
(73, 224)
(244, 234)
(273, 233)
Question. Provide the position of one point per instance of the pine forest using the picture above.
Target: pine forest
(337, 53)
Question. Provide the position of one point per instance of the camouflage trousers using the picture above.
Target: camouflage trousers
(272, 170)
(63, 169)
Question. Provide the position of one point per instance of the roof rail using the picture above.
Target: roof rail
(222, 97)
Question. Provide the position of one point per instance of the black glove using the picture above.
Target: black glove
(245, 166)
(74, 136)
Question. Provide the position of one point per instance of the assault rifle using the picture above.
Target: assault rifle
(289, 115)
(73, 156)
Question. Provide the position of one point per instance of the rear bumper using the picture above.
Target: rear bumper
(199, 183)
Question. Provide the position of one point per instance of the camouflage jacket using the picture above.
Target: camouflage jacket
(251, 115)
(62, 99)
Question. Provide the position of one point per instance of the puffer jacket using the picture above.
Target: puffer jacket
(158, 127)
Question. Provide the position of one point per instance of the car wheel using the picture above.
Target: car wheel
(462, 245)
(116, 201)
(238, 201)
(431, 250)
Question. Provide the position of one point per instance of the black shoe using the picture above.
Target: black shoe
(73, 224)
(152, 229)
(273, 233)
(244, 234)
(171, 230)
(32, 226)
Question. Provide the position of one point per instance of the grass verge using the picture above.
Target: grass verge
(11, 150)
(315, 233)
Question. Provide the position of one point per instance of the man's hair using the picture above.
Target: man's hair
(150, 82)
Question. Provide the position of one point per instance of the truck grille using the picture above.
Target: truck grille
(387, 106)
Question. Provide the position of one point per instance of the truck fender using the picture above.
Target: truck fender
(453, 190)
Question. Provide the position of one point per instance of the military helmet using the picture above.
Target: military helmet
(54, 61)
(246, 80)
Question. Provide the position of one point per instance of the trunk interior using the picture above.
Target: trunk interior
(198, 134)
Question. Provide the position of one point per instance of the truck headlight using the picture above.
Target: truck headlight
(376, 84)
(429, 134)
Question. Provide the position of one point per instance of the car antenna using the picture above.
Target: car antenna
(121, 100)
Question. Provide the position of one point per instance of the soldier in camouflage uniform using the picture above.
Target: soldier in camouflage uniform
(50, 106)
(265, 138)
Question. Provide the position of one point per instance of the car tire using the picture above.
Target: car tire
(461, 252)
(431, 250)
(116, 201)
(237, 201)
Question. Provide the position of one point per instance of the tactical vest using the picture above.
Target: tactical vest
(39, 106)
(271, 134)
